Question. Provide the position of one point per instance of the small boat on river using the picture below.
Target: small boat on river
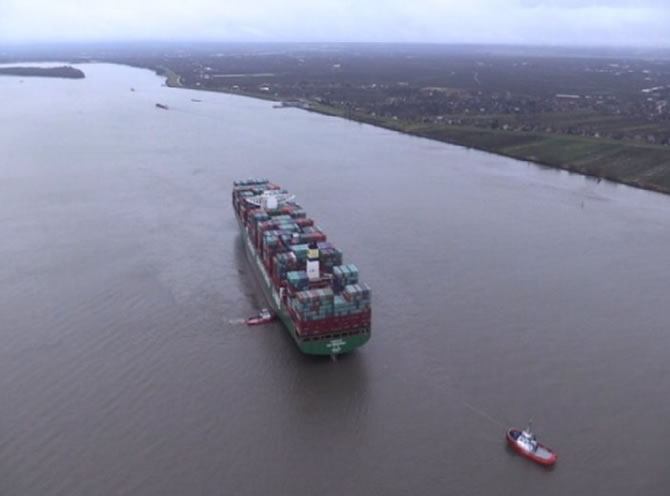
(263, 317)
(525, 443)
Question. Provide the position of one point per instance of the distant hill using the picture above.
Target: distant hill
(60, 72)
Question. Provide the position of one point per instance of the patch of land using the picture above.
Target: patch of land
(58, 72)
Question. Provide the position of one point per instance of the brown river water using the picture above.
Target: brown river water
(501, 291)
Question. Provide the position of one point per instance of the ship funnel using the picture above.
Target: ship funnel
(313, 270)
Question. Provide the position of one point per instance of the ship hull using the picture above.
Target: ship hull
(542, 454)
(334, 344)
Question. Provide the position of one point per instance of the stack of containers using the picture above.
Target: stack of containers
(282, 240)
(263, 227)
(273, 241)
(257, 219)
(342, 307)
(274, 222)
(304, 222)
(322, 245)
(251, 182)
(329, 257)
(282, 263)
(312, 234)
(297, 280)
(313, 304)
(359, 295)
(271, 246)
(243, 211)
(282, 218)
(293, 210)
(281, 227)
(288, 226)
(311, 237)
(288, 238)
(343, 276)
(300, 252)
(259, 216)
(271, 238)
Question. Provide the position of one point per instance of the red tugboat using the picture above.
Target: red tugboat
(263, 317)
(525, 443)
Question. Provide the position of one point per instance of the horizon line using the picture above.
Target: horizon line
(172, 41)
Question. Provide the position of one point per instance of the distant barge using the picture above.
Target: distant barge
(320, 301)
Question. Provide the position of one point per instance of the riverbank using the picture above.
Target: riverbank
(172, 79)
(639, 165)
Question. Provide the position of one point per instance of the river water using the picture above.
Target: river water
(501, 291)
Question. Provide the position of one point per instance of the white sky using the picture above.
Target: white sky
(556, 22)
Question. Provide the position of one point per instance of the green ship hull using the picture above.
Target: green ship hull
(330, 344)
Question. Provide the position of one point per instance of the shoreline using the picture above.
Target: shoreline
(545, 164)
(173, 80)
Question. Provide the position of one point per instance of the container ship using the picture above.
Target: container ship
(319, 300)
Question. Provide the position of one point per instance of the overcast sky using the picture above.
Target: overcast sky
(556, 22)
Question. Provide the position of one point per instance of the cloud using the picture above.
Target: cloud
(643, 22)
